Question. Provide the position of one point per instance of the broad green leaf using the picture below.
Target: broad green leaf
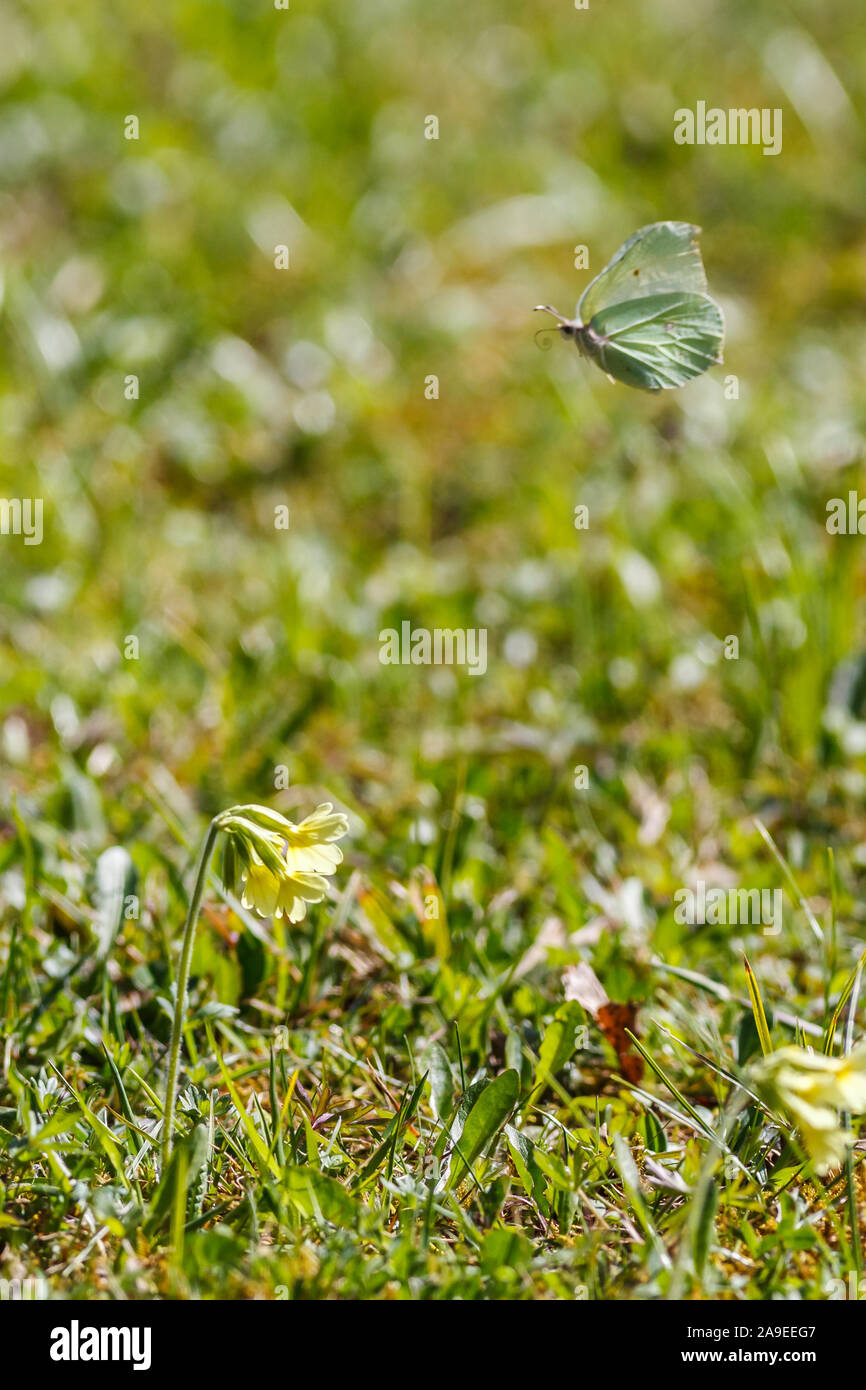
(504, 1248)
(455, 1129)
(558, 1043)
(85, 800)
(523, 1155)
(441, 1081)
(485, 1119)
(318, 1195)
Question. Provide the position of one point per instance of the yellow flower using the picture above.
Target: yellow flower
(261, 887)
(296, 890)
(826, 1147)
(813, 1088)
(310, 847)
(280, 864)
(277, 867)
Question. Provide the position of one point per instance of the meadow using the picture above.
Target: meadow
(269, 362)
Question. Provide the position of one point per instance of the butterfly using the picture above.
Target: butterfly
(647, 319)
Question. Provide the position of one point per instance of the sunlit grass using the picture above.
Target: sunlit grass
(394, 1098)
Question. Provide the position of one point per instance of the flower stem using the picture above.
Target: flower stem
(181, 984)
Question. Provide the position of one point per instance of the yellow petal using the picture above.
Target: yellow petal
(826, 1147)
(261, 890)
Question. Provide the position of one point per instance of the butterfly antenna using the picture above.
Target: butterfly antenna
(549, 309)
(560, 319)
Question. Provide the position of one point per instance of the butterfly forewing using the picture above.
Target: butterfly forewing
(661, 258)
(657, 342)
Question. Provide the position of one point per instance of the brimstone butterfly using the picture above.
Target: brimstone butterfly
(647, 319)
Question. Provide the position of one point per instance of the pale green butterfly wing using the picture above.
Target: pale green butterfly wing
(659, 259)
(657, 342)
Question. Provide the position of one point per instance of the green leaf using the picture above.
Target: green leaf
(485, 1119)
(523, 1155)
(455, 1129)
(631, 1186)
(704, 1228)
(318, 1195)
(184, 1166)
(504, 1248)
(266, 1160)
(653, 1134)
(103, 1135)
(758, 1010)
(441, 1081)
(392, 1132)
(830, 1035)
(558, 1043)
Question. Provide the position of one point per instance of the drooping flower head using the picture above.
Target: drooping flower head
(279, 865)
(813, 1088)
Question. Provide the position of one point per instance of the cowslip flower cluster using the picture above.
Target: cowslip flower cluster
(280, 866)
(813, 1088)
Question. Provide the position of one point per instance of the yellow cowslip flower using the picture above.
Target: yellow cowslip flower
(813, 1088)
(278, 867)
(279, 864)
(310, 847)
(261, 887)
(296, 890)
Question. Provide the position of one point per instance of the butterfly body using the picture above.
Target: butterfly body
(647, 319)
(588, 343)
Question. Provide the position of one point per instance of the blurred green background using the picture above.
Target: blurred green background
(305, 388)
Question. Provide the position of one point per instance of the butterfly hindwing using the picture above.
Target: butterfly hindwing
(658, 259)
(657, 342)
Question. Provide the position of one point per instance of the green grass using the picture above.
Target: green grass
(330, 1068)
